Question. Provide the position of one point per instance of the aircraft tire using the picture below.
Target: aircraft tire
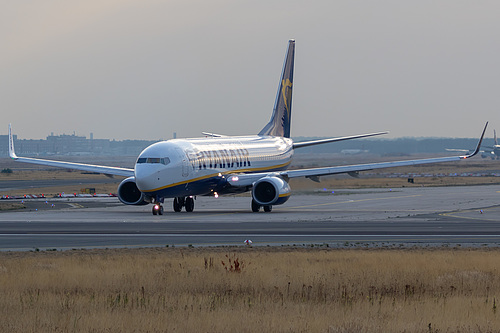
(160, 211)
(268, 208)
(255, 207)
(177, 205)
(189, 204)
(154, 210)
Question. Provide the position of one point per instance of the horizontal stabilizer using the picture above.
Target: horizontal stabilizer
(318, 142)
(213, 135)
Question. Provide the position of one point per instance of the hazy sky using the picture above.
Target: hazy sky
(145, 69)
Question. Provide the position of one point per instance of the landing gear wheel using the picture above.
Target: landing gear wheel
(189, 204)
(255, 207)
(177, 205)
(267, 209)
(157, 209)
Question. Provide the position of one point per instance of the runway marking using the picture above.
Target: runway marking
(75, 205)
(191, 216)
(355, 201)
(482, 218)
(416, 237)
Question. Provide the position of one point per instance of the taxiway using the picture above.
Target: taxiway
(467, 215)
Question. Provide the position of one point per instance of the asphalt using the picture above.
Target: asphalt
(9, 185)
(439, 216)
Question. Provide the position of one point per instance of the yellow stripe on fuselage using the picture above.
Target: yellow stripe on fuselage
(222, 173)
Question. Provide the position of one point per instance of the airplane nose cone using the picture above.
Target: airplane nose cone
(145, 177)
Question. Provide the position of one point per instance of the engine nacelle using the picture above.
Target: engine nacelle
(271, 191)
(129, 194)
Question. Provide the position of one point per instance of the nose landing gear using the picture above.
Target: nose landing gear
(157, 209)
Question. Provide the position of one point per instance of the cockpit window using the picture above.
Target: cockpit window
(153, 160)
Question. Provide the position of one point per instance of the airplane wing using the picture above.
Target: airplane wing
(317, 142)
(315, 173)
(68, 165)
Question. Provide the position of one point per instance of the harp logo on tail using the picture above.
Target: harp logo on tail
(286, 92)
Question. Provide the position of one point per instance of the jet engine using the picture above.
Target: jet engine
(271, 191)
(129, 194)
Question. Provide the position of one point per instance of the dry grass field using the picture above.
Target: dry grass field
(254, 289)
(11, 205)
(251, 290)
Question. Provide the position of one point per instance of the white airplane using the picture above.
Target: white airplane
(494, 151)
(215, 165)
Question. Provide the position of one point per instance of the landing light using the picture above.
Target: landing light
(157, 207)
(216, 195)
(235, 178)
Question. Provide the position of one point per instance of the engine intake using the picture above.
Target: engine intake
(129, 194)
(271, 191)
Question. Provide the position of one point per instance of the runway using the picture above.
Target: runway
(9, 185)
(468, 216)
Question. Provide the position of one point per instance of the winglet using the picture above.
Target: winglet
(12, 153)
(478, 147)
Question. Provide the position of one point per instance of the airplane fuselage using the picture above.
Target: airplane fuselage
(190, 167)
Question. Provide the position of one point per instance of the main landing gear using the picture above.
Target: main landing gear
(256, 207)
(186, 202)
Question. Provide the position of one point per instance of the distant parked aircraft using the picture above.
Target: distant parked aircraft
(489, 151)
(353, 151)
(494, 150)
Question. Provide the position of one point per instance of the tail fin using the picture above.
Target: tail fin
(279, 125)
(495, 134)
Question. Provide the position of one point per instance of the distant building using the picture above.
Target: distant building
(72, 145)
(80, 145)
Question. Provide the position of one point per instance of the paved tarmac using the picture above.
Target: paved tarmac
(451, 216)
(8, 185)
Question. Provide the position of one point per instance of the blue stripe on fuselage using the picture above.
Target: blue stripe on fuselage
(205, 185)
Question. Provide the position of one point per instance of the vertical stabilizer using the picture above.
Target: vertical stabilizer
(280, 122)
(495, 135)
